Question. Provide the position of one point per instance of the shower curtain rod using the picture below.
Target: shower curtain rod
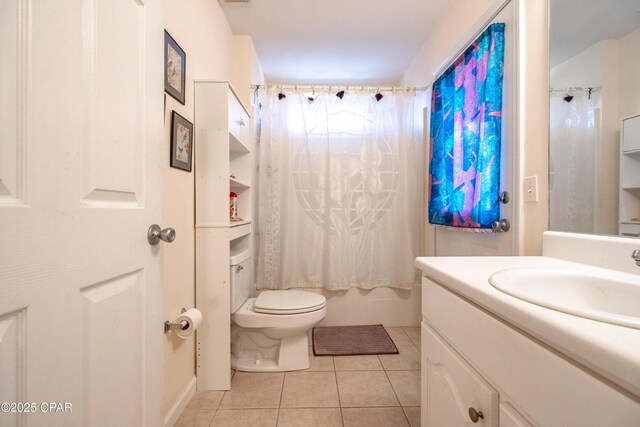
(319, 88)
(575, 89)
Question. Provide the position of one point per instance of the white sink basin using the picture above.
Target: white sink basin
(611, 298)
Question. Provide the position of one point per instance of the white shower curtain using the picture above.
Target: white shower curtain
(340, 190)
(572, 150)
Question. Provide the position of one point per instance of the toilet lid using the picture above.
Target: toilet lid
(288, 302)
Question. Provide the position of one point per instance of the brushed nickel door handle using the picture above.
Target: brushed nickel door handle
(155, 234)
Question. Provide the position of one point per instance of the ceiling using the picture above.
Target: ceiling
(578, 24)
(325, 42)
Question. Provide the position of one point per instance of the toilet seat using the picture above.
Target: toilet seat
(288, 302)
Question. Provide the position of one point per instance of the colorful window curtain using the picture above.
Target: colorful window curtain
(466, 116)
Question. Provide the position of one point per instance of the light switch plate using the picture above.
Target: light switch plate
(530, 188)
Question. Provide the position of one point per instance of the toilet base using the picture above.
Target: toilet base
(253, 351)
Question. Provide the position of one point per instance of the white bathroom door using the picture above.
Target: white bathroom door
(80, 182)
(459, 243)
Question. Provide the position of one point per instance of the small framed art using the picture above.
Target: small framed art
(181, 142)
(175, 68)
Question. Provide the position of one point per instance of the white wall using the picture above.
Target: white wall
(584, 69)
(245, 67)
(629, 70)
(450, 32)
(447, 34)
(213, 52)
(533, 120)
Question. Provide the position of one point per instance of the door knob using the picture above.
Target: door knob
(155, 234)
(501, 226)
(475, 415)
(504, 197)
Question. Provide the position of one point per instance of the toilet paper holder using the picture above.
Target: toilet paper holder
(169, 326)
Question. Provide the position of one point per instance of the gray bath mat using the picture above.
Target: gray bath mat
(352, 340)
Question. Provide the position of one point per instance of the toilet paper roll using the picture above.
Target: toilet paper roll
(193, 316)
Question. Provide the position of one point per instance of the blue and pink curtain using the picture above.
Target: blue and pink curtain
(466, 118)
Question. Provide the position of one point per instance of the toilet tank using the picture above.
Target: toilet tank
(240, 265)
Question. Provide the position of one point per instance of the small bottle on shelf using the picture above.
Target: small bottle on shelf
(233, 206)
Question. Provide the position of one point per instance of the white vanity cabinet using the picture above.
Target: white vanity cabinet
(473, 359)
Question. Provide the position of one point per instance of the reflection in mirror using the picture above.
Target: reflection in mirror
(594, 183)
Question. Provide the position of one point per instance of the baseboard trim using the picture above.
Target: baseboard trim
(182, 402)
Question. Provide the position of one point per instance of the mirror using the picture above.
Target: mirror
(594, 49)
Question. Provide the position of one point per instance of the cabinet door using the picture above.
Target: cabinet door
(238, 125)
(631, 134)
(451, 387)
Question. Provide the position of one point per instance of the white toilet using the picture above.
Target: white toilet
(270, 333)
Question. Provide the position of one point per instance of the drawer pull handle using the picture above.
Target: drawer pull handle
(241, 122)
(475, 415)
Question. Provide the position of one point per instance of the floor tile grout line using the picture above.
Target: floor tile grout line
(335, 376)
(223, 395)
(394, 389)
(284, 375)
(413, 342)
(405, 414)
(403, 332)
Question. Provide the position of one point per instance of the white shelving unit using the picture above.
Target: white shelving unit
(223, 163)
(629, 220)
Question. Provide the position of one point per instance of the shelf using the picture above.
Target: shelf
(239, 230)
(234, 183)
(231, 224)
(631, 187)
(633, 155)
(629, 228)
(236, 146)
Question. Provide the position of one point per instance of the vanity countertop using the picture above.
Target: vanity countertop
(609, 350)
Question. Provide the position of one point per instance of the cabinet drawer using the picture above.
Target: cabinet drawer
(631, 134)
(632, 230)
(238, 124)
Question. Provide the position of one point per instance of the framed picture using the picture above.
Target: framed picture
(175, 68)
(181, 142)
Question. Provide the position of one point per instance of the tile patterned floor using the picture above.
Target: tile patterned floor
(347, 391)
